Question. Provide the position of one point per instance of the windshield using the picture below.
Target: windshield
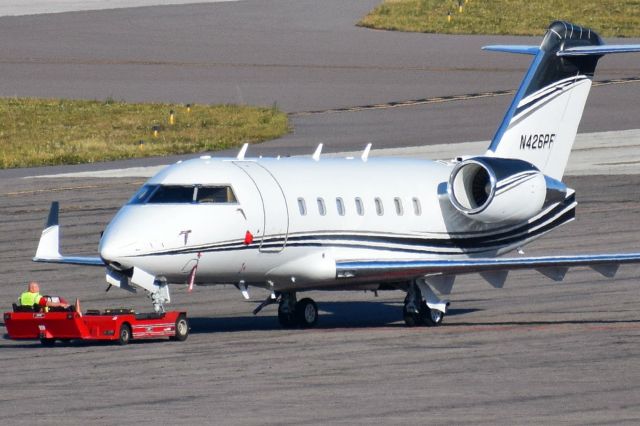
(180, 194)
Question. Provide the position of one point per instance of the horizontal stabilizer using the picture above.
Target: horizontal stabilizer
(49, 246)
(520, 49)
(599, 50)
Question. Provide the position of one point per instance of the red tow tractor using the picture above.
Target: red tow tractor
(121, 325)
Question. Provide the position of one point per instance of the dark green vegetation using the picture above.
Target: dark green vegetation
(36, 132)
(610, 18)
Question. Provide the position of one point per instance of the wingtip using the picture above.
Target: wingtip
(49, 245)
(52, 220)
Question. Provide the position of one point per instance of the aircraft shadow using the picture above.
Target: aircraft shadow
(542, 323)
(333, 315)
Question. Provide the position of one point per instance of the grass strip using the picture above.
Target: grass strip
(610, 18)
(37, 132)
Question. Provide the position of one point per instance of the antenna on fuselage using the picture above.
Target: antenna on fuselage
(242, 152)
(316, 155)
(365, 153)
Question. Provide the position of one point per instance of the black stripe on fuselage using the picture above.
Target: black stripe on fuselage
(555, 217)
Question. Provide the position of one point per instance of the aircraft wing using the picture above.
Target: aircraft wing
(554, 267)
(49, 245)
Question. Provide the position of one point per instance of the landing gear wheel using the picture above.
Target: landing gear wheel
(433, 317)
(411, 319)
(286, 319)
(414, 310)
(306, 313)
(425, 316)
(47, 342)
(287, 310)
(124, 335)
(182, 329)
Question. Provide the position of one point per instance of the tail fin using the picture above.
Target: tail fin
(541, 123)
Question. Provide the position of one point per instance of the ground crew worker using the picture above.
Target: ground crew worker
(32, 297)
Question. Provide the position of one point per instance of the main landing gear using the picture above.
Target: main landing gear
(416, 312)
(292, 313)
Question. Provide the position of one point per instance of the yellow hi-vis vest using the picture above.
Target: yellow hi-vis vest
(29, 299)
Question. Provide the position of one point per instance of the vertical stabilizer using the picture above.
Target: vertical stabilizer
(542, 120)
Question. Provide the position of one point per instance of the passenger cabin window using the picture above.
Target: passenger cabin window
(340, 206)
(302, 206)
(379, 207)
(398, 203)
(215, 194)
(321, 207)
(417, 208)
(359, 207)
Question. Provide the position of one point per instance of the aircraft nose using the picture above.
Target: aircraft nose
(117, 243)
(111, 249)
(107, 249)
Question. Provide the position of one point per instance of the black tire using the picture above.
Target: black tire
(411, 319)
(182, 329)
(286, 319)
(423, 317)
(47, 342)
(124, 334)
(432, 317)
(306, 313)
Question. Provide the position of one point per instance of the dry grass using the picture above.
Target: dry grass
(610, 18)
(36, 132)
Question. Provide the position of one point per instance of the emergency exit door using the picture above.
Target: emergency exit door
(274, 206)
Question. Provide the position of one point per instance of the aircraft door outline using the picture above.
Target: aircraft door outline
(275, 211)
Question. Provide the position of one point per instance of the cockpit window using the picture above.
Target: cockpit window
(143, 194)
(163, 194)
(172, 194)
(215, 194)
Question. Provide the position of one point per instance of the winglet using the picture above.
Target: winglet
(52, 220)
(49, 245)
(316, 154)
(242, 151)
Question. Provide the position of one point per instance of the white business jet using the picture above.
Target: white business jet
(295, 224)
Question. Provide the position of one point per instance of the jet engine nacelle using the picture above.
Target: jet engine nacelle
(489, 189)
